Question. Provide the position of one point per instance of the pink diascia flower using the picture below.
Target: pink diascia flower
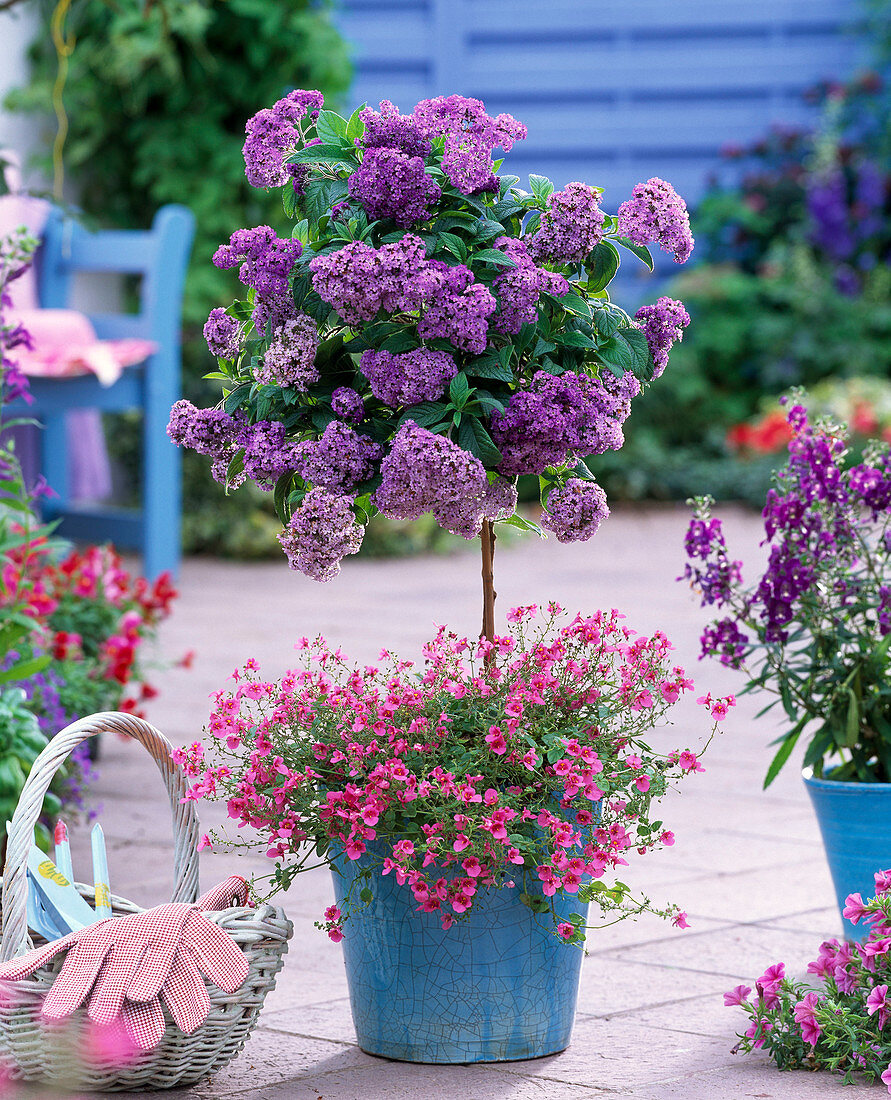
(566, 930)
(806, 1018)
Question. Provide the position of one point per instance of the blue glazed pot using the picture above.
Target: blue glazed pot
(855, 820)
(496, 987)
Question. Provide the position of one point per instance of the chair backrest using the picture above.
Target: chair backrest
(159, 255)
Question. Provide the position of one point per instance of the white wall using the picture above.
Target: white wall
(17, 30)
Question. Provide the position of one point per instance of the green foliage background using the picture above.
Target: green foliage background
(157, 98)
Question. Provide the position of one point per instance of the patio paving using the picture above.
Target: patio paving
(748, 865)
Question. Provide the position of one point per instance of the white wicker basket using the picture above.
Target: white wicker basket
(66, 1056)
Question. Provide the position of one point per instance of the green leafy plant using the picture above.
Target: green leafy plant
(840, 1026)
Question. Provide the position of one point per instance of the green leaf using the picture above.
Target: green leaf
(235, 467)
(473, 437)
(424, 414)
(607, 321)
(399, 341)
(331, 128)
(355, 125)
(542, 347)
(639, 250)
(852, 725)
(522, 524)
(23, 669)
(281, 497)
(455, 245)
(641, 362)
(493, 256)
(784, 752)
(485, 229)
(602, 264)
(489, 366)
(237, 397)
(327, 153)
(574, 303)
(574, 339)
(459, 388)
(541, 187)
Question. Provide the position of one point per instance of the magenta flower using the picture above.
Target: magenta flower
(737, 996)
(877, 1001)
(855, 908)
(773, 975)
(806, 1018)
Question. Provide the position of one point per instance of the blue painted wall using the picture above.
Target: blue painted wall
(613, 91)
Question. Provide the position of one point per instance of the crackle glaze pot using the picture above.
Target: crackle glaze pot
(855, 822)
(496, 987)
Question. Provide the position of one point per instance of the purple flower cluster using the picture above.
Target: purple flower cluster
(500, 500)
(561, 417)
(883, 611)
(275, 131)
(389, 184)
(359, 281)
(518, 289)
(15, 259)
(266, 263)
(871, 483)
(575, 510)
(656, 214)
(456, 306)
(408, 377)
(571, 225)
(470, 136)
(424, 472)
(210, 432)
(290, 359)
(391, 130)
(339, 460)
(785, 581)
(218, 436)
(347, 404)
(267, 454)
(222, 334)
(320, 534)
(724, 639)
(717, 575)
(662, 324)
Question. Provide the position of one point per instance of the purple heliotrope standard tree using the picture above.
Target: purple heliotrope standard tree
(428, 332)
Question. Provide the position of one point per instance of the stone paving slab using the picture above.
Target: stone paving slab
(747, 866)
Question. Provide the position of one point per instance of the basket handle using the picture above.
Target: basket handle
(13, 924)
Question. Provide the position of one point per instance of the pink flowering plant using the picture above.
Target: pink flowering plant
(525, 760)
(428, 330)
(841, 1025)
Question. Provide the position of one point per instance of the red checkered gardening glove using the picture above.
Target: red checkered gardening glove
(123, 963)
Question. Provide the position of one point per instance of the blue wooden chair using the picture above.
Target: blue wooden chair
(159, 255)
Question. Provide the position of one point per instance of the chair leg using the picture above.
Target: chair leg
(161, 480)
(54, 464)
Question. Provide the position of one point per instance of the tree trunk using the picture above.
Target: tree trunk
(487, 542)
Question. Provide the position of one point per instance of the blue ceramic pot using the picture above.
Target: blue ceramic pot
(855, 820)
(496, 987)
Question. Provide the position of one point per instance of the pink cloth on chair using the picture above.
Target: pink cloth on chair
(65, 344)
